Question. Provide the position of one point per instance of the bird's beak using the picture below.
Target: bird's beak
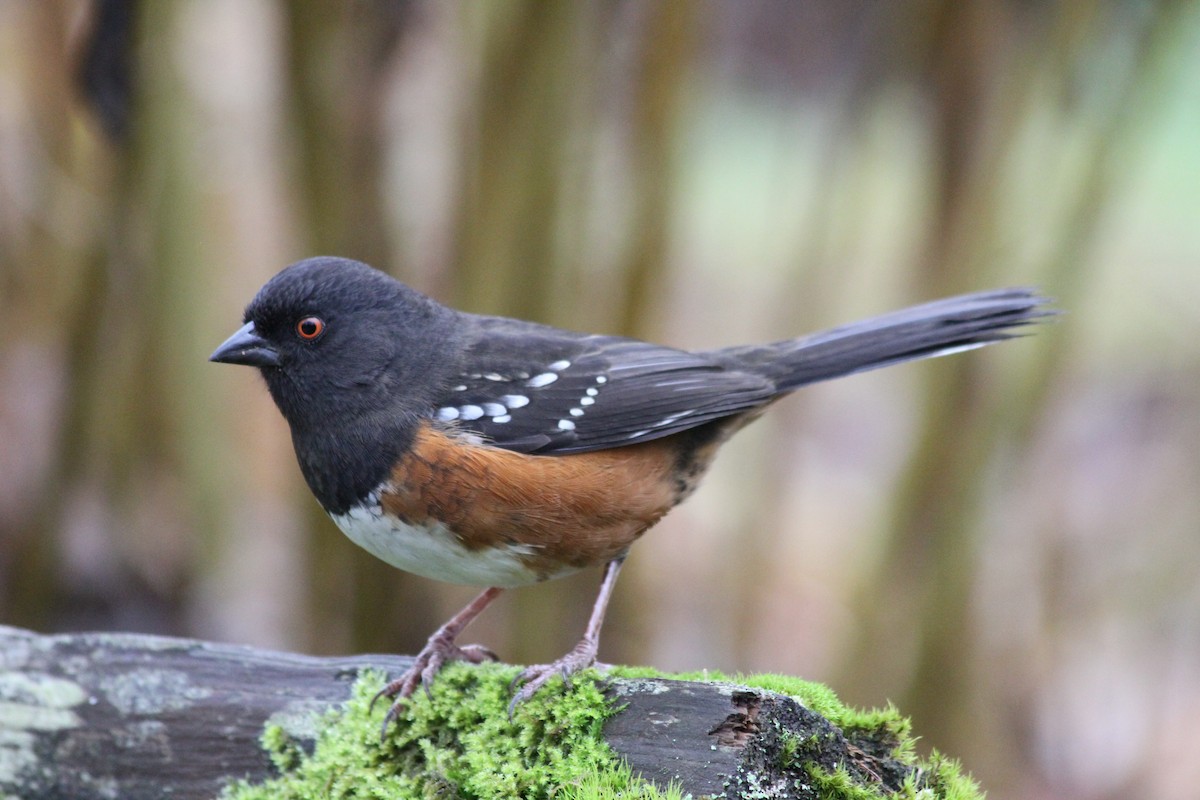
(246, 347)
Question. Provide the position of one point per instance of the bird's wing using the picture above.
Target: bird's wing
(537, 389)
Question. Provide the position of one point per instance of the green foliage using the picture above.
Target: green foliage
(941, 779)
(460, 743)
(619, 784)
(938, 778)
(457, 743)
(841, 785)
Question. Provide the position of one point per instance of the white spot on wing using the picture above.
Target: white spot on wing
(515, 400)
(666, 363)
(960, 348)
(558, 366)
(566, 425)
(502, 418)
(576, 412)
(664, 422)
(494, 409)
(494, 376)
(674, 418)
(544, 379)
(601, 379)
(586, 401)
(470, 412)
(592, 391)
(447, 414)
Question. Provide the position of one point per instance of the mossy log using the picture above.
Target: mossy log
(134, 716)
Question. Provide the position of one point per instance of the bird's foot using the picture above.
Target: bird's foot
(534, 677)
(437, 652)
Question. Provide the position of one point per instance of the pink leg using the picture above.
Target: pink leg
(439, 650)
(582, 656)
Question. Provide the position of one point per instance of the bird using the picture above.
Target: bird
(498, 453)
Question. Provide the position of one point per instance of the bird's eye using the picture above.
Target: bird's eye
(310, 328)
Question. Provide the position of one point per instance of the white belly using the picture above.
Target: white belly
(435, 552)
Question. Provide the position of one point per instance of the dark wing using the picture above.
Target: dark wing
(537, 389)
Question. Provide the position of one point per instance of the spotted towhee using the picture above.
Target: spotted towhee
(498, 453)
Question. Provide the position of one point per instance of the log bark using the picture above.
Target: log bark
(102, 715)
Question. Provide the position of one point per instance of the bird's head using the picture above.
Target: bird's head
(341, 343)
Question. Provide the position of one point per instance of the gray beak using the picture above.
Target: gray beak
(246, 347)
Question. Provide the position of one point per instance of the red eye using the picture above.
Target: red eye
(310, 328)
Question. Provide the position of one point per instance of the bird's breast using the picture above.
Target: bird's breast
(433, 550)
(465, 512)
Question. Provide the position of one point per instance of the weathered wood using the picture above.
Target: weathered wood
(131, 716)
(94, 715)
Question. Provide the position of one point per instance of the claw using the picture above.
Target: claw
(437, 652)
(427, 664)
(533, 678)
(512, 706)
(389, 718)
(375, 699)
(582, 656)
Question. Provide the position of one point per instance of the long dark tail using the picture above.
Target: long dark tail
(932, 329)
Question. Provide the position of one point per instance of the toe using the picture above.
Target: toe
(424, 670)
(393, 712)
(394, 688)
(427, 675)
(529, 689)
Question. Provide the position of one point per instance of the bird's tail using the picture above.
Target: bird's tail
(932, 329)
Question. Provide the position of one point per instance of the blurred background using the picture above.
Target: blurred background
(1006, 545)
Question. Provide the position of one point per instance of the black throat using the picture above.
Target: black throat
(345, 462)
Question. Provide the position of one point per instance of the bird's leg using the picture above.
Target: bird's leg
(582, 656)
(439, 650)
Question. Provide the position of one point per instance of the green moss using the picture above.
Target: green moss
(457, 743)
(943, 778)
(940, 779)
(460, 743)
(879, 740)
(841, 785)
(619, 784)
(870, 750)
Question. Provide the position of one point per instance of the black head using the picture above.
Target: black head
(353, 358)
